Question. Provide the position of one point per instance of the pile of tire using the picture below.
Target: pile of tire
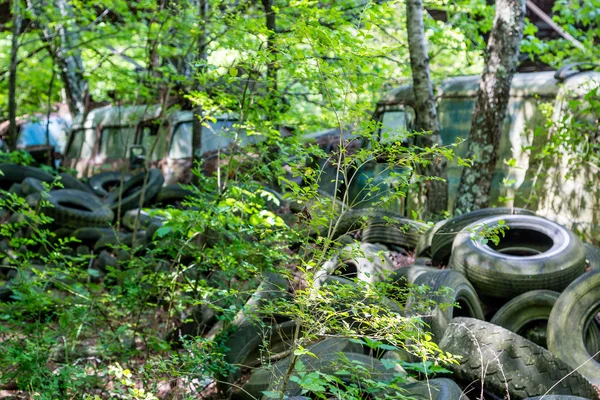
(89, 211)
(522, 319)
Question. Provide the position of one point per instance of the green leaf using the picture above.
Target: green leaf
(233, 72)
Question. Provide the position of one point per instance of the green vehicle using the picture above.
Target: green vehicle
(553, 189)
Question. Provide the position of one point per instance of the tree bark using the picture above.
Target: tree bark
(63, 47)
(13, 130)
(491, 104)
(270, 23)
(201, 55)
(434, 191)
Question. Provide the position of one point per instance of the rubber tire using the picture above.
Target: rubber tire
(405, 234)
(104, 182)
(498, 275)
(462, 291)
(404, 276)
(90, 235)
(441, 243)
(526, 369)
(31, 186)
(244, 346)
(556, 397)
(70, 182)
(330, 364)
(90, 212)
(132, 191)
(573, 310)
(536, 306)
(592, 256)
(424, 245)
(434, 389)
(16, 188)
(170, 195)
(13, 173)
(262, 378)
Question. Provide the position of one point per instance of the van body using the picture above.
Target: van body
(105, 138)
(547, 188)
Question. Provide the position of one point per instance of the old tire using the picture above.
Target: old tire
(534, 254)
(441, 243)
(104, 182)
(31, 186)
(424, 244)
(510, 362)
(261, 379)
(461, 292)
(592, 256)
(74, 209)
(171, 195)
(400, 232)
(13, 173)
(569, 322)
(130, 195)
(433, 389)
(70, 182)
(332, 364)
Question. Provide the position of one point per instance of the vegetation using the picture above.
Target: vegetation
(149, 316)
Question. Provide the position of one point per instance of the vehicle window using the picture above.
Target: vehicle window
(80, 146)
(394, 126)
(151, 134)
(33, 133)
(115, 141)
(217, 135)
(181, 142)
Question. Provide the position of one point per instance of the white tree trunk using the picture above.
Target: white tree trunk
(491, 104)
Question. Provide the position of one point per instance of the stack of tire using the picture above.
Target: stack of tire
(88, 210)
(542, 336)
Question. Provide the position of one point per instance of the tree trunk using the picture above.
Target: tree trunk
(13, 130)
(270, 23)
(434, 191)
(490, 107)
(63, 46)
(201, 55)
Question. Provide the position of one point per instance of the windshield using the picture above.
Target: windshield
(33, 133)
(215, 136)
(80, 147)
(395, 125)
(115, 141)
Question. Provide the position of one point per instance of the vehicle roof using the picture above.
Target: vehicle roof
(541, 84)
(132, 115)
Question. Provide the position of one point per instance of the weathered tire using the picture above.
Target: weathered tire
(404, 233)
(552, 257)
(441, 243)
(556, 397)
(404, 276)
(16, 188)
(244, 346)
(171, 195)
(13, 173)
(527, 315)
(510, 362)
(132, 191)
(592, 256)
(70, 182)
(74, 208)
(330, 364)
(434, 389)
(262, 378)
(569, 322)
(462, 293)
(424, 245)
(104, 182)
(31, 186)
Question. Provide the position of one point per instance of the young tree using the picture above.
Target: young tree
(490, 107)
(12, 78)
(436, 190)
